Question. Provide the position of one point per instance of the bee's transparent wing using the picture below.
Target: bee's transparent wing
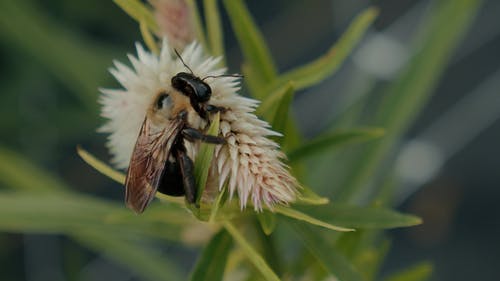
(151, 151)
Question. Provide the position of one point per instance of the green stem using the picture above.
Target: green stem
(269, 248)
(250, 252)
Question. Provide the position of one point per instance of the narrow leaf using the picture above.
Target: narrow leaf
(330, 259)
(96, 223)
(204, 158)
(200, 32)
(289, 212)
(67, 212)
(213, 259)
(360, 217)
(269, 249)
(250, 252)
(117, 176)
(314, 72)
(333, 140)
(267, 221)
(251, 40)
(419, 272)
(276, 109)
(281, 114)
(308, 196)
(100, 166)
(148, 37)
(367, 257)
(138, 11)
(268, 106)
(219, 202)
(293, 137)
(252, 80)
(214, 28)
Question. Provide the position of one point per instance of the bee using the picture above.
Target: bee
(159, 160)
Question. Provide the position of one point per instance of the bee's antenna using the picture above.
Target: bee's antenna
(179, 56)
(223, 75)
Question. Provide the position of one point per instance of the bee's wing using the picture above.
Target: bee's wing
(151, 151)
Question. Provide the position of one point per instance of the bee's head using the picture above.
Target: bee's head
(192, 86)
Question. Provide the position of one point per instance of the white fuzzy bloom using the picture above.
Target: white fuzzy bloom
(249, 164)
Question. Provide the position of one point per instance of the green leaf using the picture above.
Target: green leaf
(405, 97)
(289, 212)
(100, 166)
(97, 224)
(419, 272)
(267, 244)
(203, 160)
(360, 217)
(138, 11)
(252, 80)
(219, 202)
(214, 28)
(212, 262)
(333, 140)
(148, 37)
(118, 176)
(316, 71)
(293, 137)
(200, 32)
(276, 108)
(17, 172)
(370, 258)
(66, 212)
(330, 259)
(202, 164)
(130, 253)
(308, 196)
(250, 252)
(281, 114)
(251, 41)
(267, 221)
(270, 103)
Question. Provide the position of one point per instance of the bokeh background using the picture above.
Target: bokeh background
(54, 54)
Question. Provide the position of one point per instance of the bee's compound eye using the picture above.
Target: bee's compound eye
(203, 92)
(164, 101)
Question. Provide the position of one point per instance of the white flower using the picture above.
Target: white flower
(249, 163)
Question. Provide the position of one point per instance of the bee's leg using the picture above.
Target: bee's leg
(200, 110)
(211, 109)
(214, 109)
(187, 171)
(192, 134)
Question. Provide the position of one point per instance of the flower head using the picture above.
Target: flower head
(175, 20)
(249, 163)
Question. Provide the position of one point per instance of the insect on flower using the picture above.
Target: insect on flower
(160, 116)
(159, 161)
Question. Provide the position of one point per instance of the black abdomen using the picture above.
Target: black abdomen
(171, 182)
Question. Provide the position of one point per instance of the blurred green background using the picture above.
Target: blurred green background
(54, 55)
